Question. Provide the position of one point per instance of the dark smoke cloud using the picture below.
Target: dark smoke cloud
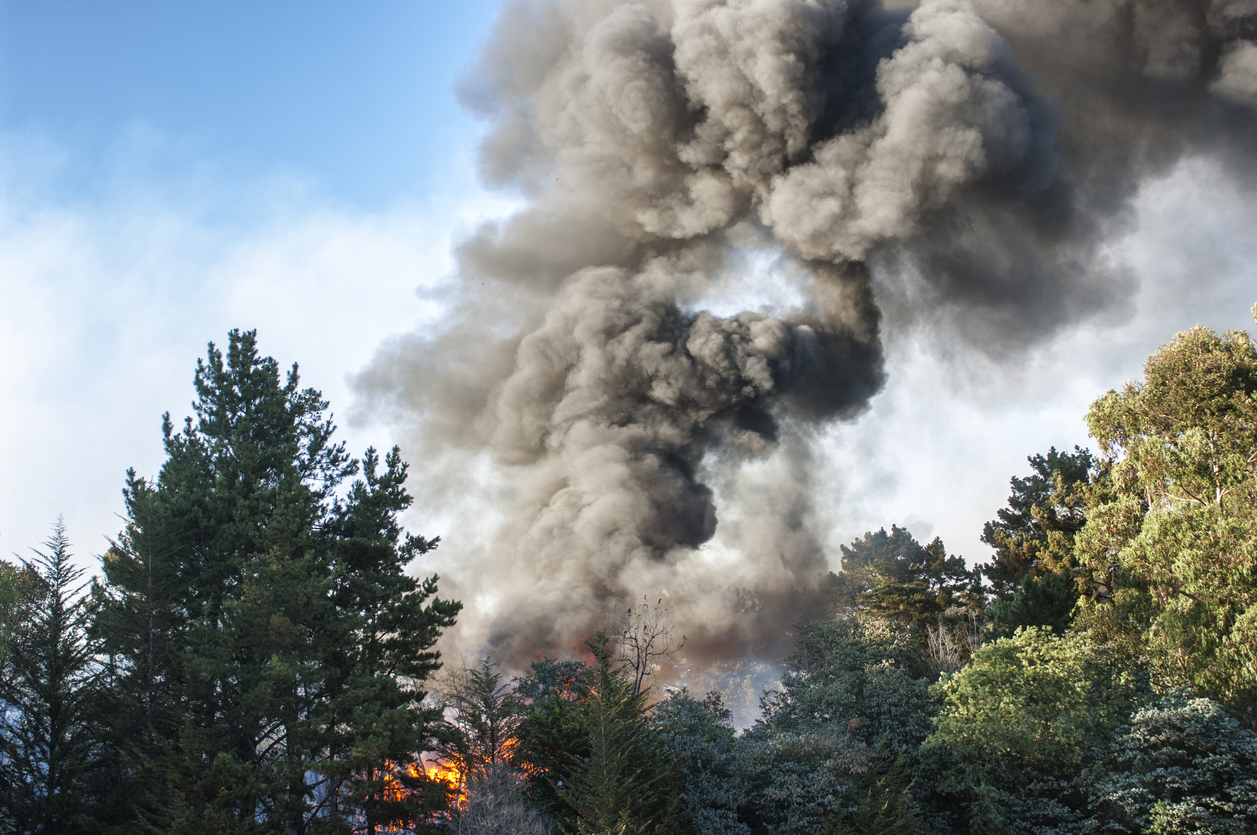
(954, 162)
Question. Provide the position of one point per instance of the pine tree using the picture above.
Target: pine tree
(880, 800)
(138, 624)
(49, 743)
(267, 647)
(892, 575)
(1034, 535)
(626, 786)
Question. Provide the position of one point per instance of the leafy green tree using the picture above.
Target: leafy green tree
(1180, 765)
(49, 742)
(626, 785)
(892, 575)
(1026, 715)
(1180, 534)
(698, 738)
(854, 687)
(265, 641)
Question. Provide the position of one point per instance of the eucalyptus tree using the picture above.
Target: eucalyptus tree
(1175, 549)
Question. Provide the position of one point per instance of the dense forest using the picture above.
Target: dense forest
(255, 656)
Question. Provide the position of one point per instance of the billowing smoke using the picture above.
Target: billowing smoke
(958, 163)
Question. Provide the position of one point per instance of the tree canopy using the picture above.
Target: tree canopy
(1182, 525)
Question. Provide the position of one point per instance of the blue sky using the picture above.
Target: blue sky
(172, 170)
(355, 99)
(169, 171)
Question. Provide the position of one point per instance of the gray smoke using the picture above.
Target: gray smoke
(958, 163)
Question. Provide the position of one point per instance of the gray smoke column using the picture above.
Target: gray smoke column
(585, 406)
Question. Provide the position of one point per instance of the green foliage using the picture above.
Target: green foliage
(861, 673)
(10, 598)
(552, 731)
(892, 575)
(795, 780)
(879, 801)
(49, 742)
(1180, 765)
(1039, 601)
(1019, 721)
(698, 739)
(626, 785)
(1034, 535)
(267, 647)
(1182, 526)
(485, 714)
(853, 687)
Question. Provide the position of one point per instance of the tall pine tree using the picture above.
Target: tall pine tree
(267, 648)
(627, 785)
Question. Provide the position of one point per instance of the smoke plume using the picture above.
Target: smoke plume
(958, 163)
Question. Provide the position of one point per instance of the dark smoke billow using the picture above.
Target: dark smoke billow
(961, 164)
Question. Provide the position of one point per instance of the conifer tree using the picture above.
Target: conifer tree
(892, 575)
(626, 785)
(880, 800)
(486, 717)
(267, 647)
(49, 743)
(1034, 535)
(551, 734)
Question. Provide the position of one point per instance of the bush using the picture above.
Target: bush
(1181, 765)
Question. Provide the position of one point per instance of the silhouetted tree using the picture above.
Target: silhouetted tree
(49, 741)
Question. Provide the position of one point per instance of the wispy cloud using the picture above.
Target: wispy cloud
(109, 294)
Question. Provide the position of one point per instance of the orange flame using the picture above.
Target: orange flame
(430, 767)
(442, 771)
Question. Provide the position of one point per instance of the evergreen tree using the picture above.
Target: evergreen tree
(892, 575)
(49, 744)
(698, 737)
(1038, 601)
(486, 714)
(10, 597)
(626, 785)
(137, 626)
(1034, 535)
(267, 648)
(879, 801)
(853, 687)
(552, 734)
(1179, 765)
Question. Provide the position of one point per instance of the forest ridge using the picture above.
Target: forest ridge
(255, 657)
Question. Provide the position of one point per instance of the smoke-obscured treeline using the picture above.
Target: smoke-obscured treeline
(255, 657)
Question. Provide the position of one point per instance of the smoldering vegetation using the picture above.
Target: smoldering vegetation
(956, 165)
